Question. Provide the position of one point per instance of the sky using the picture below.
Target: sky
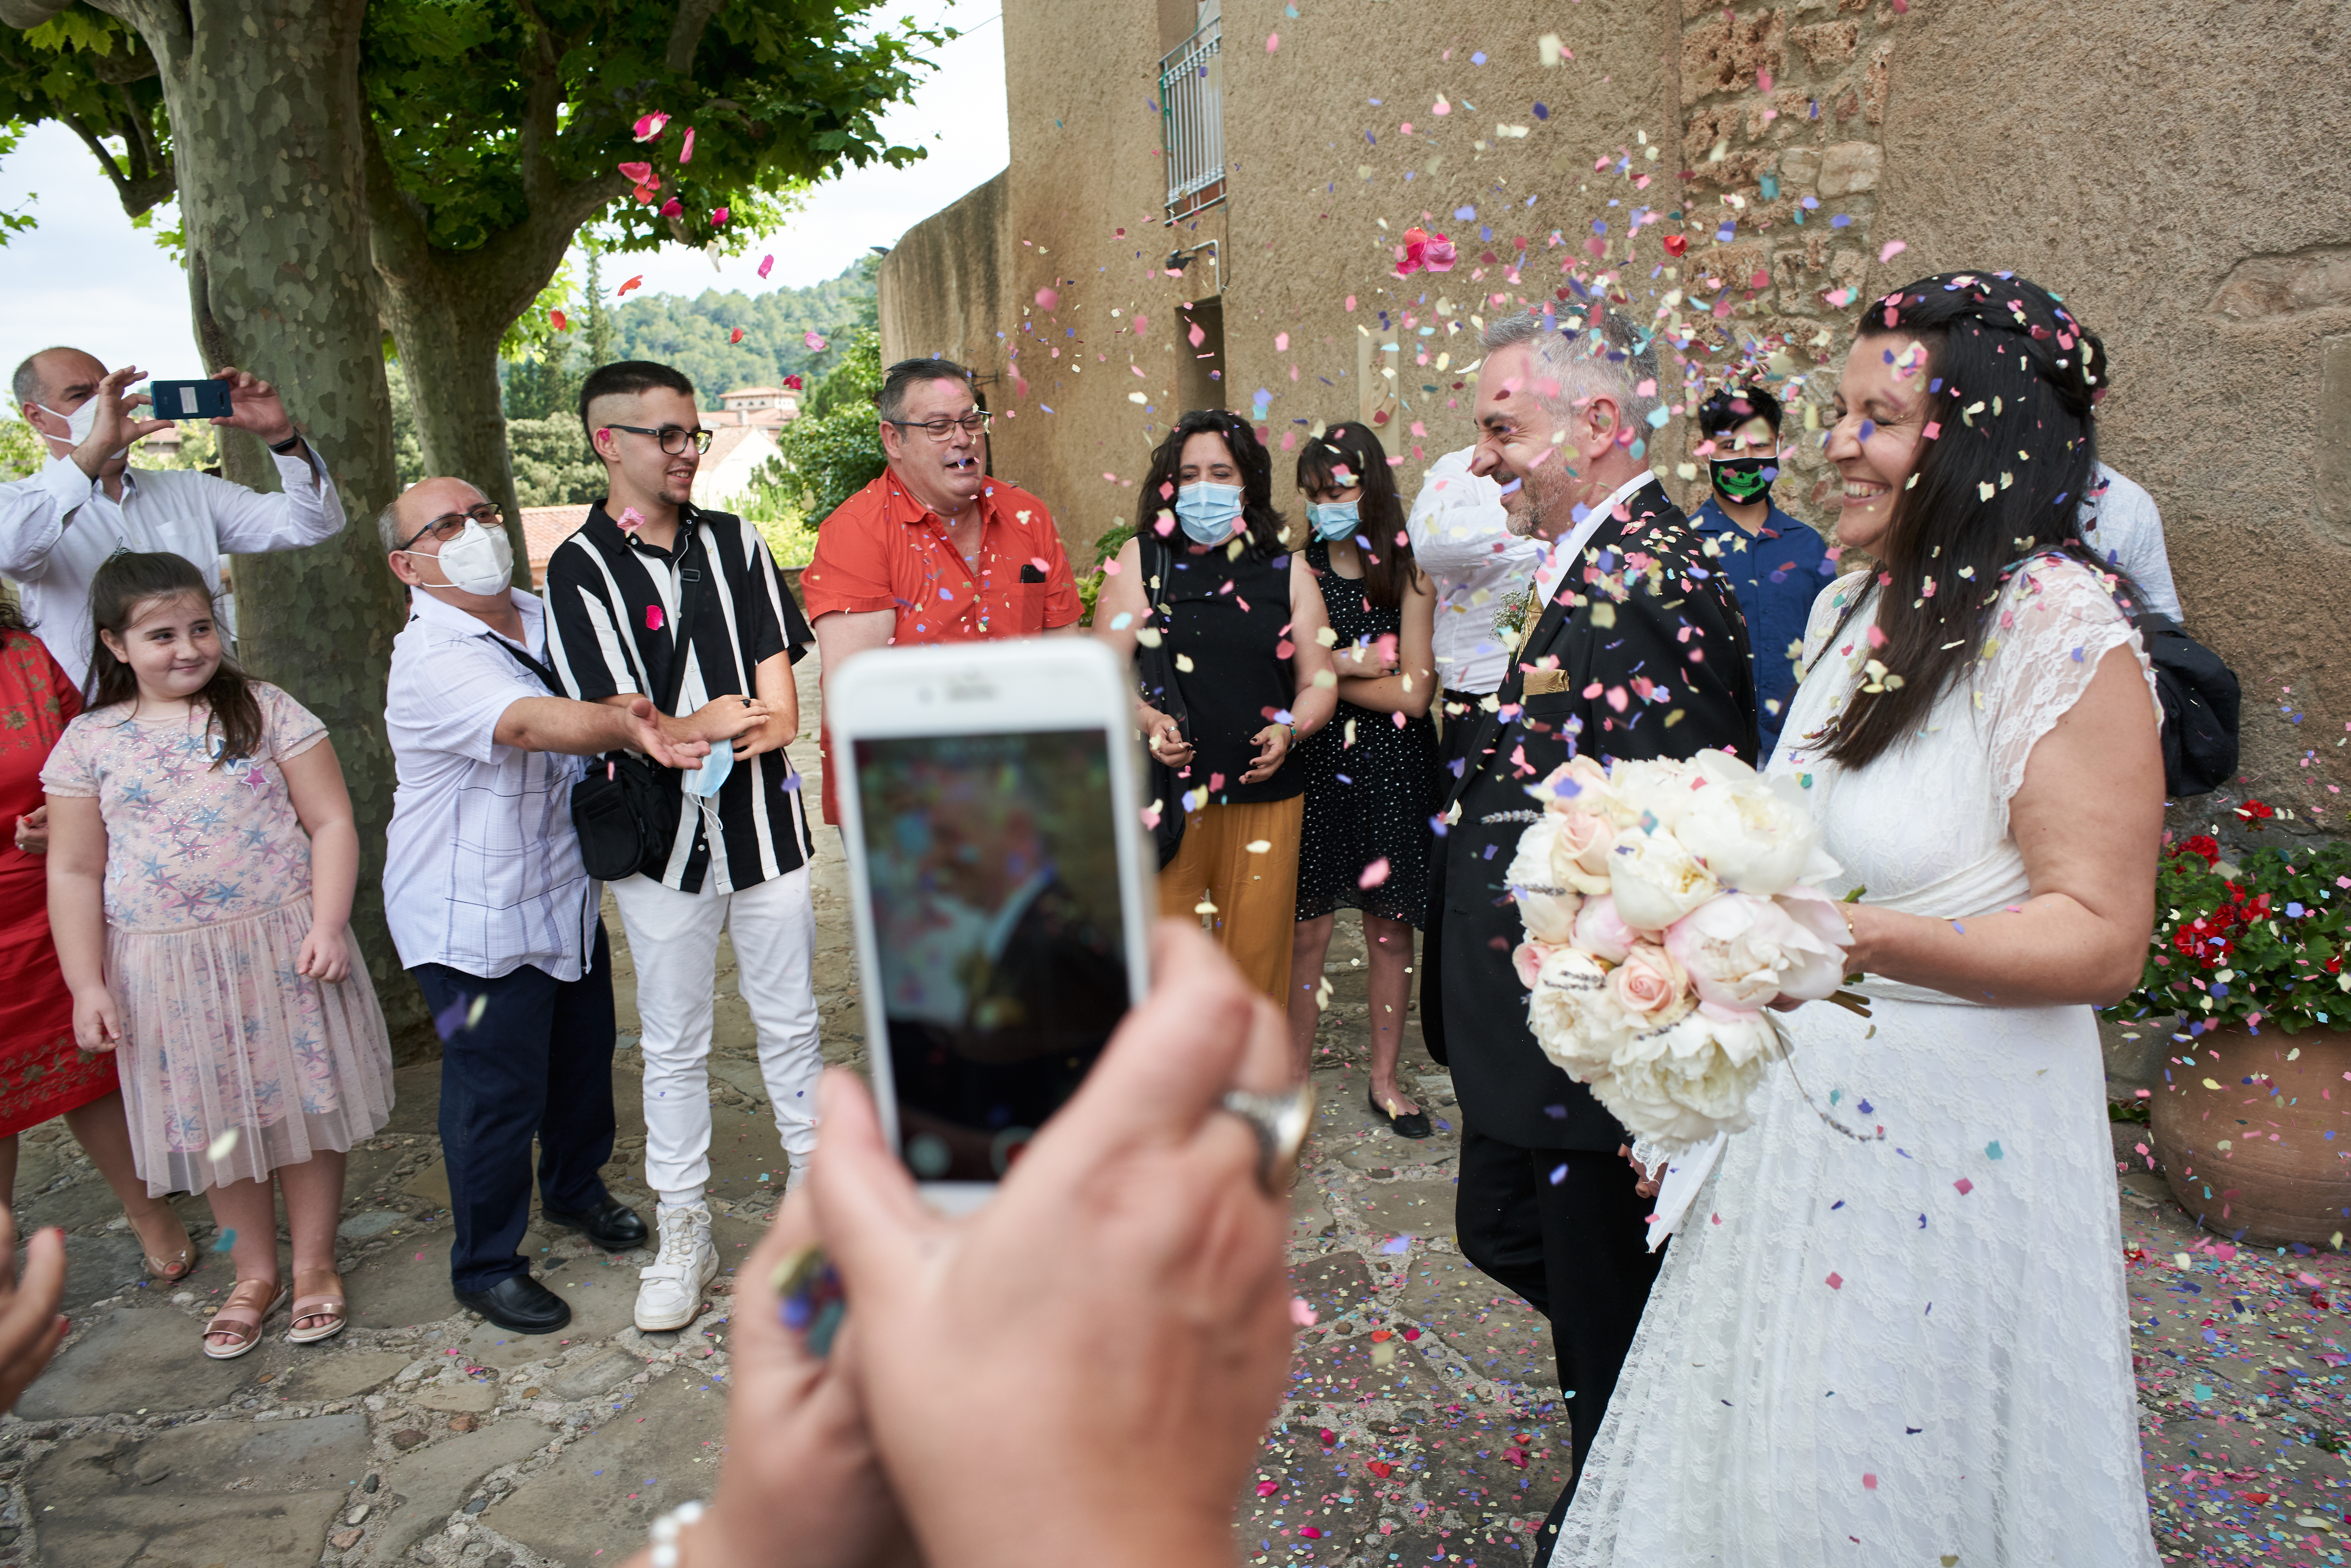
(87, 278)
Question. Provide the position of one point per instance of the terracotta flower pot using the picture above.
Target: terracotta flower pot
(2256, 1136)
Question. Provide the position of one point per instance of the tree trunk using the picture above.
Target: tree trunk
(449, 352)
(264, 110)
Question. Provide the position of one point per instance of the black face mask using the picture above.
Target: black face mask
(1745, 479)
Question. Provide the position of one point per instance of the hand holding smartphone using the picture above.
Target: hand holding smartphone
(1000, 881)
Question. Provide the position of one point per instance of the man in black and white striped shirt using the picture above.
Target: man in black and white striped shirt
(650, 579)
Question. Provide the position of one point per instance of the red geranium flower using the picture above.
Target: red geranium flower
(2253, 813)
(2202, 845)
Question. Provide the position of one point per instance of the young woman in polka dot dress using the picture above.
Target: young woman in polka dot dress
(1370, 771)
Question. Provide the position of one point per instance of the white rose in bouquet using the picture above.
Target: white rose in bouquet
(1743, 951)
(1754, 835)
(1817, 977)
(1655, 880)
(1579, 855)
(1546, 906)
(1576, 1020)
(1679, 1085)
(1599, 930)
(1582, 785)
(1651, 987)
(1651, 785)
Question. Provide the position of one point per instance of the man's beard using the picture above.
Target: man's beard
(1527, 521)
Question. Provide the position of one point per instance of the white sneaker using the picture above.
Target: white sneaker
(669, 1290)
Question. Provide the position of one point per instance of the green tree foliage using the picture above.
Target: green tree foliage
(834, 449)
(93, 75)
(21, 449)
(552, 464)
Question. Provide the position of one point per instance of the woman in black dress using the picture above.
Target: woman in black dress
(1209, 582)
(1369, 772)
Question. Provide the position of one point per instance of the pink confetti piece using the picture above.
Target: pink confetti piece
(1272, 43)
(630, 518)
(815, 341)
(1375, 873)
(1300, 1314)
(1281, 343)
(1048, 299)
(653, 617)
(766, 266)
(1891, 249)
(1965, 1185)
(1869, 1481)
(1836, 1281)
(686, 153)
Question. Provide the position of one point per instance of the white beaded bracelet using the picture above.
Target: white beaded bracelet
(667, 1529)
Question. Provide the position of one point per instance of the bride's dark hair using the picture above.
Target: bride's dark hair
(2010, 377)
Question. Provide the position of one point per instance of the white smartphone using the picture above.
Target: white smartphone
(1002, 884)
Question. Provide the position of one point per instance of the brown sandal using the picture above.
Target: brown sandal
(242, 1315)
(316, 1302)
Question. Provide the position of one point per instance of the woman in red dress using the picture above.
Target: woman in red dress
(42, 1072)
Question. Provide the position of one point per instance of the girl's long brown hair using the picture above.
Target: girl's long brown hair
(121, 586)
(1388, 567)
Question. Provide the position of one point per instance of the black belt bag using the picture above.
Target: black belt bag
(624, 811)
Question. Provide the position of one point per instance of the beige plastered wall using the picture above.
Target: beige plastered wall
(2164, 166)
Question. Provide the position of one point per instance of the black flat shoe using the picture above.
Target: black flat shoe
(1411, 1124)
(616, 1227)
(519, 1302)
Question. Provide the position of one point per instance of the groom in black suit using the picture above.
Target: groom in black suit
(1636, 649)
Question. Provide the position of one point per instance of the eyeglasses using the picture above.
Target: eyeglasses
(973, 423)
(445, 529)
(672, 438)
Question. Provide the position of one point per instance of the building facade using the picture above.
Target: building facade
(1205, 201)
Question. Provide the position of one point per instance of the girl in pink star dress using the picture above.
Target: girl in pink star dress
(201, 863)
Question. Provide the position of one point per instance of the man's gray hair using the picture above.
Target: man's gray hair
(26, 382)
(387, 524)
(903, 377)
(1605, 356)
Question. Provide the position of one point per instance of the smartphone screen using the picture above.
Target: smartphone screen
(190, 400)
(992, 864)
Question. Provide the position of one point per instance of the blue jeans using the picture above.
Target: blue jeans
(537, 1062)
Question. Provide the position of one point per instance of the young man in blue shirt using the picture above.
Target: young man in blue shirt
(1776, 565)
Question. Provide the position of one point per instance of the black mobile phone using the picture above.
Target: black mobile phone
(206, 399)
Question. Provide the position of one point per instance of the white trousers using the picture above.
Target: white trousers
(674, 938)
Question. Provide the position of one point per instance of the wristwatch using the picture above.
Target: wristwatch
(288, 447)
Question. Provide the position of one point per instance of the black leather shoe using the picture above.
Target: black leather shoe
(1411, 1124)
(520, 1302)
(616, 1227)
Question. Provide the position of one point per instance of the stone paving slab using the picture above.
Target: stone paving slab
(656, 1451)
(227, 1492)
(422, 1489)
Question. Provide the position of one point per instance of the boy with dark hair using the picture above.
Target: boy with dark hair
(654, 597)
(1776, 565)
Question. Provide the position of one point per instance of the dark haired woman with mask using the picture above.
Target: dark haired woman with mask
(1895, 1313)
(1209, 578)
(1370, 771)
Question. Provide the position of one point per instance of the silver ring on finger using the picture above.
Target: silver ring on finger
(1280, 1122)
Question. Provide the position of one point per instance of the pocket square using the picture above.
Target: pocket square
(1545, 682)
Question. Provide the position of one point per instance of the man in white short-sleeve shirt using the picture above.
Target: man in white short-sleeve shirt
(2120, 521)
(488, 904)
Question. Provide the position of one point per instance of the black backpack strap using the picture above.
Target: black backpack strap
(546, 675)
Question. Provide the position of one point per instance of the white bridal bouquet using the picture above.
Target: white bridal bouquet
(1666, 904)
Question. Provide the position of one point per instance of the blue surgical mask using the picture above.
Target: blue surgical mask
(1334, 520)
(1209, 513)
(705, 779)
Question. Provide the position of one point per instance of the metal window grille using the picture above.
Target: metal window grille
(1191, 117)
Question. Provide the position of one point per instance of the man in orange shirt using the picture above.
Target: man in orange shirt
(934, 551)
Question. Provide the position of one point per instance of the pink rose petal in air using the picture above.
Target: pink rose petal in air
(650, 125)
(766, 266)
(686, 153)
(653, 617)
(631, 518)
(814, 341)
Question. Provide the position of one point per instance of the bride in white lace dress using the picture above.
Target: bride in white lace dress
(1903, 1339)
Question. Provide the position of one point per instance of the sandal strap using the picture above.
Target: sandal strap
(241, 1314)
(318, 1307)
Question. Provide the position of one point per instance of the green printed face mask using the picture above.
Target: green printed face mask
(1745, 478)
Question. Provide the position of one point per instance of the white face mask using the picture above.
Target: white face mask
(477, 560)
(78, 424)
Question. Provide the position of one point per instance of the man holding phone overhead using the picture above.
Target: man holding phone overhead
(934, 550)
(57, 526)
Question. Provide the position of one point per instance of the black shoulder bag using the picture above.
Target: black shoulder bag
(2200, 701)
(1156, 666)
(624, 813)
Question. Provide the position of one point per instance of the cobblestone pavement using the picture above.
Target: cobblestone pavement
(1419, 1427)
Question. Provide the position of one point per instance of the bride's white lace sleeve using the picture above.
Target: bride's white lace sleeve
(2054, 622)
